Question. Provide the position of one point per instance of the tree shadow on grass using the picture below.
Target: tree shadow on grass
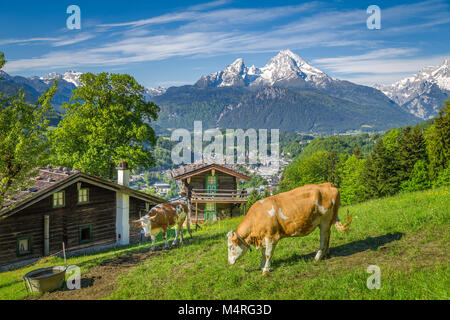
(370, 243)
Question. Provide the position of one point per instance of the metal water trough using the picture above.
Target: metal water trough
(45, 279)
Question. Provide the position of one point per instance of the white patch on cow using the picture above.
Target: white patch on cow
(280, 213)
(321, 208)
(271, 211)
(234, 251)
(261, 201)
(332, 201)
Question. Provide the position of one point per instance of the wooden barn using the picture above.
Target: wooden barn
(212, 189)
(69, 206)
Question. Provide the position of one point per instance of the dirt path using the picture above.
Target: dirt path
(99, 281)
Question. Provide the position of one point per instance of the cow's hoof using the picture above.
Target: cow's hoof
(266, 273)
(152, 249)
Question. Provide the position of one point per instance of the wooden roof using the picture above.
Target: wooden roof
(50, 180)
(193, 169)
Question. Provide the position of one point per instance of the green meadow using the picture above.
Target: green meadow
(406, 236)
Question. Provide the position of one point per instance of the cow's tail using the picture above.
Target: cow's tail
(343, 227)
(188, 218)
(337, 223)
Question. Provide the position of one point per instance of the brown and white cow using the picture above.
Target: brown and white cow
(295, 213)
(164, 216)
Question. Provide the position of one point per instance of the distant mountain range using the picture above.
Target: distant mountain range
(34, 87)
(287, 93)
(424, 93)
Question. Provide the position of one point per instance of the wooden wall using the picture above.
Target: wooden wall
(137, 209)
(99, 212)
(225, 181)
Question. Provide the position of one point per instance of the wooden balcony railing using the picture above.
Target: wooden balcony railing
(219, 196)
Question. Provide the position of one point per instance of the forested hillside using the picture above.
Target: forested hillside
(365, 167)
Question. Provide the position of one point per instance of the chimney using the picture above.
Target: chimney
(123, 174)
(123, 205)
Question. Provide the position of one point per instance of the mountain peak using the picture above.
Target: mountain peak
(237, 66)
(423, 93)
(286, 67)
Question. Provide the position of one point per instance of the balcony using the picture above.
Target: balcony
(219, 196)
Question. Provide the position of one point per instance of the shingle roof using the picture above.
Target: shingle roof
(50, 179)
(199, 167)
(46, 178)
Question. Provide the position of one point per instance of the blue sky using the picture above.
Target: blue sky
(165, 43)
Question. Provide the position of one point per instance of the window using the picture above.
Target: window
(83, 195)
(85, 234)
(24, 246)
(59, 199)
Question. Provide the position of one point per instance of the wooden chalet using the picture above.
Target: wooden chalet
(69, 206)
(212, 189)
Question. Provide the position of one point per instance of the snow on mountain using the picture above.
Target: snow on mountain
(70, 76)
(421, 94)
(154, 92)
(73, 77)
(286, 66)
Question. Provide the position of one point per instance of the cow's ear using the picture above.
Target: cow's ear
(234, 239)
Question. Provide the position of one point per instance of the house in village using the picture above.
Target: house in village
(69, 206)
(161, 188)
(212, 189)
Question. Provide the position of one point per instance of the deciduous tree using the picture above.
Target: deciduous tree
(23, 144)
(107, 121)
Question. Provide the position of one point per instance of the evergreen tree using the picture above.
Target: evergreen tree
(438, 142)
(331, 167)
(419, 179)
(412, 148)
(381, 172)
(357, 152)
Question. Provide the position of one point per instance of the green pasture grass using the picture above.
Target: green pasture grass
(406, 235)
(11, 282)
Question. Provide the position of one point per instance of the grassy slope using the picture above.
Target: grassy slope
(407, 236)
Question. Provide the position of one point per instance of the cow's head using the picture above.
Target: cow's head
(236, 247)
(146, 224)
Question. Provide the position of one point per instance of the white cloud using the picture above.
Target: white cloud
(208, 30)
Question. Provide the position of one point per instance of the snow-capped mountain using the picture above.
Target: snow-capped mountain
(424, 93)
(154, 92)
(70, 76)
(285, 68)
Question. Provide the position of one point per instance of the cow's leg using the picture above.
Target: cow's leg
(166, 243)
(176, 236)
(263, 258)
(325, 230)
(180, 231)
(270, 247)
(153, 242)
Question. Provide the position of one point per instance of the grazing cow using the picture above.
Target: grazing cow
(294, 213)
(164, 216)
